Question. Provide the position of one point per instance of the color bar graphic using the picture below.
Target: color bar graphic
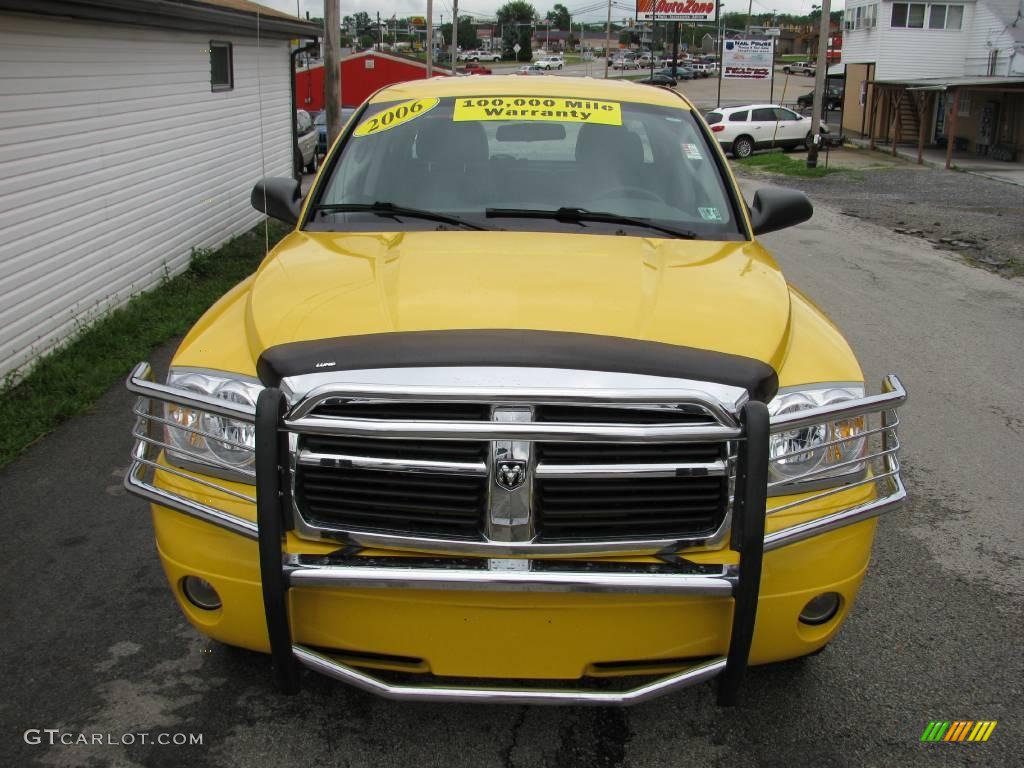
(958, 730)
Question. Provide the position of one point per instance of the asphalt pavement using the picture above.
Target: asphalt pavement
(93, 643)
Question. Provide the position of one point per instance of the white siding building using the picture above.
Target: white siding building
(947, 74)
(131, 133)
(947, 39)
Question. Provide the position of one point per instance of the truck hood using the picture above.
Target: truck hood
(723, 296)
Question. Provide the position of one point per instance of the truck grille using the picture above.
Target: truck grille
(442, 488)
(577, 509)
(394, 502)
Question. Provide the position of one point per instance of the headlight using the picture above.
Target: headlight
(800, 459)
(220, 446)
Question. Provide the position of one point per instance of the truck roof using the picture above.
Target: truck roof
(513, 85)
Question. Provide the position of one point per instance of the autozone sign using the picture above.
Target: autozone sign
(667, 10)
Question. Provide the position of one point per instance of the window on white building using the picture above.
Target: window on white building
(861, 17)
(937, 16)
(222, 71)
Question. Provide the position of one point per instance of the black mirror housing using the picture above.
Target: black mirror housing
(776, 208)
(278, 197)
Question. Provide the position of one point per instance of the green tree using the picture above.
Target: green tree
(467, 33)
(559, 17)
(516, 20)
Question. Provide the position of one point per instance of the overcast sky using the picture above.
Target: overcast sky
(403, 8)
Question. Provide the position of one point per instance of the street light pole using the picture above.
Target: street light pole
(721, 51)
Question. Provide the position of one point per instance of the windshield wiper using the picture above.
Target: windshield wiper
(582, 214)
(390, 209)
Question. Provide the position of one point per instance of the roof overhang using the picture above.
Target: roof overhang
(947, 83)
(238, 17)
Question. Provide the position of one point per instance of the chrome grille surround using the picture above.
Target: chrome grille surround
(669, 412)
(217, 503)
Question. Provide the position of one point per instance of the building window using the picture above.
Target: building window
(937, 15)
(963, 108)
(954, 16)
(861, 17)
(222, 71)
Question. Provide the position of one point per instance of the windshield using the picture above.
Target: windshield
(475, 157)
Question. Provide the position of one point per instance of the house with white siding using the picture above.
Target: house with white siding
(947, 74)
(131, 133)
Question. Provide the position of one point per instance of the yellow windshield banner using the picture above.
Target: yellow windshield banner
(546, 108)
(396, 115)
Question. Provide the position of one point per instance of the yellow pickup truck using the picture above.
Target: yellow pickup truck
(521, 411)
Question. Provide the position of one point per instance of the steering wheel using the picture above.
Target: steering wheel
(628, 191)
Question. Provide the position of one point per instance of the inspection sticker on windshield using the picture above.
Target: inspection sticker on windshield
(710, 214)
(691, 151)
(396, 115)
(538, 108)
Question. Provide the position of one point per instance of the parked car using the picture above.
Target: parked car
(308, 157)
(550, 62)
(384, 452)
(530, 69)
(624, 63)
(682, 72)
(741, 130)
(833, 101)
(800, 68)
(474, 69)
(320, 121)
(659, 79)
(703, 68)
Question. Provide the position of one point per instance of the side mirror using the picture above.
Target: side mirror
(279, 197)
(777, 208)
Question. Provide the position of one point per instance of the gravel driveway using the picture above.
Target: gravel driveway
(979, 218)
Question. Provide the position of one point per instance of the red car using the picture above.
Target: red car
(475, 69)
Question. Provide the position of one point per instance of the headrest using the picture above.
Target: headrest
(609, 145)
(440, 141)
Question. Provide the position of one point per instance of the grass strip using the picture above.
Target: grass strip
(777, 162)
(72, 378)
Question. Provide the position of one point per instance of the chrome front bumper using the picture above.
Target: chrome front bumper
(280, 571)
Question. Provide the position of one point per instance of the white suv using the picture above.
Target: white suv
(741, 130)
(550, 62)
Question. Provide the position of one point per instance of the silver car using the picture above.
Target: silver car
(308, 158)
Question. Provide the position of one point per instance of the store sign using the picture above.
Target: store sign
(682, 10)
(748, 59)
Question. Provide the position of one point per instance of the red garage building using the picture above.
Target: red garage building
(361, 74)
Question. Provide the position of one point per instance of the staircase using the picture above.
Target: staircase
(909, 121)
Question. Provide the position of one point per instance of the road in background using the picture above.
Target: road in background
(702, 91)
(93, 642)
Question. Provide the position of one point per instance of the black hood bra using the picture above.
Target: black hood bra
(516, 348)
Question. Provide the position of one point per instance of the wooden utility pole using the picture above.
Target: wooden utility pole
(332, 71)
(608, 41)
(455, 33)
(819, 84)
(430, 38)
